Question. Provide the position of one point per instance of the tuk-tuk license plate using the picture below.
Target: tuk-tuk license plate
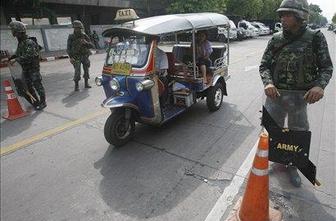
(121, 68)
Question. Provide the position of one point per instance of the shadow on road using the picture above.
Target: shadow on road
(15, 127)
(298, 204)
(74, 97)
(147, 177)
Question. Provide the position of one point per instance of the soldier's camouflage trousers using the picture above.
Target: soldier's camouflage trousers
(34, 83)
(290, 106)
(77, 65)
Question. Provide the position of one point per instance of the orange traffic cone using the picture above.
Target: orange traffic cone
(14, 108)
(255, 203)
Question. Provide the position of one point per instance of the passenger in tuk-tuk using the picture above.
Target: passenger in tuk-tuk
(203, 52)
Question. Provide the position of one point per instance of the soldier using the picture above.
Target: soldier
(296, 58)
(78, 48)
(28, 56)
(95, 39)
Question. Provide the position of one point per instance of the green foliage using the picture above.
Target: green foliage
(315, 16)
(334, 19)
(269, 9)
(189, 6)
(248, 9)
(315, 9)
(253, 9)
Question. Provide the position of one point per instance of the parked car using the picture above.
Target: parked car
(263, 29)
(331, 27)
(241, 34)
(251, 30)
(313, 26)
(277, 27)
(223, 33)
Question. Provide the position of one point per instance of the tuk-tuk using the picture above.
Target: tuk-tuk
(134, 90)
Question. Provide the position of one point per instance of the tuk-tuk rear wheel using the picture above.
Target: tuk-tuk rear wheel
(116, 131)
(215, 97)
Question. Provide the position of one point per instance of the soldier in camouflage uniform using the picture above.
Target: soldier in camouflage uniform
(78, 48)
(28, 56)
(296, 59)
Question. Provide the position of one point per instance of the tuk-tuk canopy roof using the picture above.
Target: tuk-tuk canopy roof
(166, 24)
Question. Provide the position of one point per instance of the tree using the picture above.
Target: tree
(253, 9)
(334, 19)
(189, 6)
(269, 8)
(315, 16)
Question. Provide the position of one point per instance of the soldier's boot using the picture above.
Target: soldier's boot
(43, 103)
(277, 168)
(36, 105)
(87, 83)
(76, 86)
(294, 176)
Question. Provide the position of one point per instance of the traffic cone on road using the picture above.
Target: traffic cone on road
(15, 110)
(255, 203)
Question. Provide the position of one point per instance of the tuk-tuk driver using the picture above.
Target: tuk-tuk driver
(161, 67)
(203, 52)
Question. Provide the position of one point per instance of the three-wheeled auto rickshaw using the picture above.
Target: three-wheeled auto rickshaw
(134, 90)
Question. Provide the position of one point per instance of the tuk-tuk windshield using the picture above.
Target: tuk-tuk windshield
(133, 50)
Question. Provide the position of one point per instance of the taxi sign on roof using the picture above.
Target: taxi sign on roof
(126, 14)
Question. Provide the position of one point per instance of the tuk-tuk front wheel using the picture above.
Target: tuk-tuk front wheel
(215, 97)
(118, 130)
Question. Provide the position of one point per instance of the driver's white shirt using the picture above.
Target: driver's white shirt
(161, 60)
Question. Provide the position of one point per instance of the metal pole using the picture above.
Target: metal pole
(228, 46)
(194, 52)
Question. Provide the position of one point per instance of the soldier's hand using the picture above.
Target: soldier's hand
(72, 61)
(271, 91)
(314, 95)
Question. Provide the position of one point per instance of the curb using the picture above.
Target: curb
(53, 58)
(50, 58)
(45, 59)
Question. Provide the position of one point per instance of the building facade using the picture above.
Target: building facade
(90, 12)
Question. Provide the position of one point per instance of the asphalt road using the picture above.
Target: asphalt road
(56, 164)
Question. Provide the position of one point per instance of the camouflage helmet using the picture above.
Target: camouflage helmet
(77, 24)
(17, 26)
(299, 7)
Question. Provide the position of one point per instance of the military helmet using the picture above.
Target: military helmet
(17, 26)
(77, 24)
(299, 7)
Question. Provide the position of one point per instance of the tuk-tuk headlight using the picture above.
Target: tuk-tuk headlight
(99, 81)
(144, 85)
(114, 84)
(139, 86)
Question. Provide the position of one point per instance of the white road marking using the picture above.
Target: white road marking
(226, 199)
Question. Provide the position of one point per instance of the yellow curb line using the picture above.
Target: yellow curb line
(56, 130)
